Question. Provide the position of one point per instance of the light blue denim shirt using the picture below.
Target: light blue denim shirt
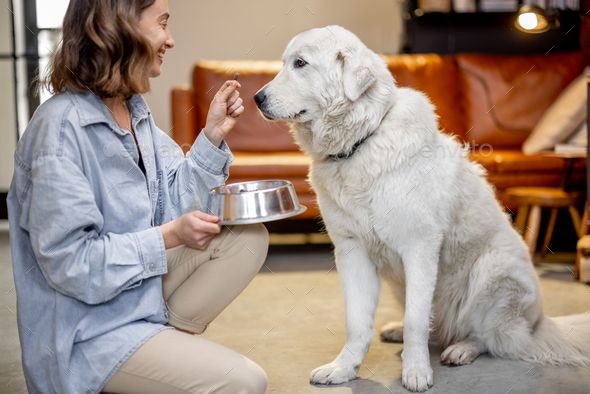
(87, 249)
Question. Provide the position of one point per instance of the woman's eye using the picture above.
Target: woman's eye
(299, 62)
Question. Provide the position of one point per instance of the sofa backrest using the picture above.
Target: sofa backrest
(252, 133)
(505, 96)
(436, 76)
(484, 99)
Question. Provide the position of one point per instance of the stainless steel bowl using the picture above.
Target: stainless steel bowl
(254, 202)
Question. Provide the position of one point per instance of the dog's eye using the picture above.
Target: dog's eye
(299, 62)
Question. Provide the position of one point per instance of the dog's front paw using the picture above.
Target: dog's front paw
(332, 373)
(417, 377)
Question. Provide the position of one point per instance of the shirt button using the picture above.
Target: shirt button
(151, 267)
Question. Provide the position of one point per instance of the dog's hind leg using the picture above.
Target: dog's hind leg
(392, 332)
(462, 352)
(505, 319)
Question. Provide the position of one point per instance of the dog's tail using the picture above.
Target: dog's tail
(562, 340)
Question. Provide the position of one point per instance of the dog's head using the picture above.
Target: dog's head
(331, 87)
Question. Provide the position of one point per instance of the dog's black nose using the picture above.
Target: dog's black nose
(260, 97)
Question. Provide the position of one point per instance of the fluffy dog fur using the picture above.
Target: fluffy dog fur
(409, 205)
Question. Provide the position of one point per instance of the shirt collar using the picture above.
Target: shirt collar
(92, 110)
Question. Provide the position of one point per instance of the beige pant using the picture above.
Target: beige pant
(197, 287)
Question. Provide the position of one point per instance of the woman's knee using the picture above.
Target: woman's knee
(247, 379)
(256, 242)
(257, 233)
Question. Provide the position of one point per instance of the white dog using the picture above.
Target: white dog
(401, 199)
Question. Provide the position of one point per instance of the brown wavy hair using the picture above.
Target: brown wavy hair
(102, 49)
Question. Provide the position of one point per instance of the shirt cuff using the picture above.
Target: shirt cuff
(213, 159)
(152, 252)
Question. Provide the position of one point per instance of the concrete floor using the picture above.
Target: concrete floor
(291, 320)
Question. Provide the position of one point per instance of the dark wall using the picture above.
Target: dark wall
(484, 32)
(585, 29)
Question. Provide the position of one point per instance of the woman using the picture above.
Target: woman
(116, 263)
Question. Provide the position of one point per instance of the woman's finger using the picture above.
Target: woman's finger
(233, 98)
(237, 112)
(209, 228)
(237, 104)
(227, 89)
(206, 217)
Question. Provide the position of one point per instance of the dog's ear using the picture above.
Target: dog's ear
(357, 72)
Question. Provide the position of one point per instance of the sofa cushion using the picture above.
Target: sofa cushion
(270, 164)
(561, 120)
(508, 168)
(505, 96)
(505, 168)
(436, 76)
(513, 161)
(579, 137)
(252, 133)
(511, 168)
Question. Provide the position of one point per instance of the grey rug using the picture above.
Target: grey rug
(291, 320)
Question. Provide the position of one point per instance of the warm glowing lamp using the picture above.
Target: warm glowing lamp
(532, 19)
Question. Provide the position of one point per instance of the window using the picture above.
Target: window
(49, 17)
(50, 14)
(36, 33)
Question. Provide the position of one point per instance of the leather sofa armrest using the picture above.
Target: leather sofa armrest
(183, 117)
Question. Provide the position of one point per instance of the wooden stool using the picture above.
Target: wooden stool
(530, 200)
(582, 271)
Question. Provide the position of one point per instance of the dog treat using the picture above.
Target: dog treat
(236, 76)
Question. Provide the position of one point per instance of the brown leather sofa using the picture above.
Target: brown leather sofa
(491, 102)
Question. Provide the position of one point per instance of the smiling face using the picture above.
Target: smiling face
(154, 27)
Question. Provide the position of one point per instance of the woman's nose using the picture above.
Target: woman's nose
(170, 41)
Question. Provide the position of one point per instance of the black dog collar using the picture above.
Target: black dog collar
(346, 155)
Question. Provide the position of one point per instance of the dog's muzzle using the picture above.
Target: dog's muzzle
(260, 98)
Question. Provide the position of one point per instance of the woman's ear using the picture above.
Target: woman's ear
(358, 73)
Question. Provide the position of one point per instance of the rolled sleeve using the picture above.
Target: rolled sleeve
(190, 177)
(209, 157)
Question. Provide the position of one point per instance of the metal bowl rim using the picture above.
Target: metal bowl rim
(264, 219)
(288, 184)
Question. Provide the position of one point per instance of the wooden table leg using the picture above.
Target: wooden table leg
(521, 219)
(532, 229)
(549, 231)
(582, 231)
